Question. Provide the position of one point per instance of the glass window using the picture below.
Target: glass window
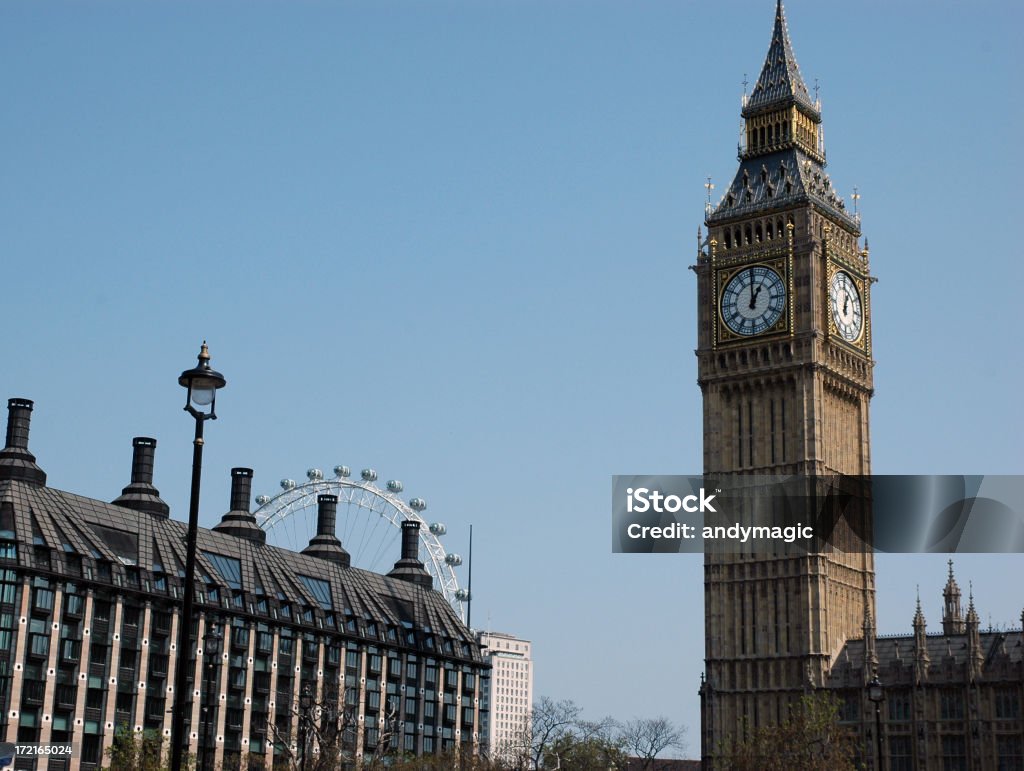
(1011, 753)
(954, 753)
(320, 589)
(229, 568)
(43, 599)
(901, 756)
(40, 645)
(1007, 704)
(951, 703)
(899, 706)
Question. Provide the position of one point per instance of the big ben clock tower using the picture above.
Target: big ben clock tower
(784, 359)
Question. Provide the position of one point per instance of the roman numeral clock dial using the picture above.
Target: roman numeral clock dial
(846, 307)
(753, 300)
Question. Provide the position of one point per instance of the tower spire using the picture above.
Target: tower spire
(952, 616)
(780, 83)
(782, 143)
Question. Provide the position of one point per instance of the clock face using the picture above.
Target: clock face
(846, 309)
(753, 300)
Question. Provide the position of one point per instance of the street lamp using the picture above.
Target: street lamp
(202, 384)
(211, 650)
(305, 705)
(876, 694)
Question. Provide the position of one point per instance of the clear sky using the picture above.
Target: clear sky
(450, 240)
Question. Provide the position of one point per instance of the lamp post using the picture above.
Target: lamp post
(305, 705)
(875, 694)
(202, 384)
(211, 649)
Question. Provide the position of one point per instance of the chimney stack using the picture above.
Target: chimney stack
(240, 522)
(16, 462)
(140, 495)
(325, 544)
(409, 567)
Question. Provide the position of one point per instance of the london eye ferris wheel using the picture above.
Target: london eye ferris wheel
(369, 524)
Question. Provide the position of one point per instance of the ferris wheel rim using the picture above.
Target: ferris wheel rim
(364, 494)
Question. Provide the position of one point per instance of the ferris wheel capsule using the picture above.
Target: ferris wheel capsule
(462, 594)
(366, 505)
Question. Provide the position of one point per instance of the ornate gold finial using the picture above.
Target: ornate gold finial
(204, 353)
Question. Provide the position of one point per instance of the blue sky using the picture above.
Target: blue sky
(450, 240)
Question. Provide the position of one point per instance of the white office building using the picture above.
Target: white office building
(511, 689)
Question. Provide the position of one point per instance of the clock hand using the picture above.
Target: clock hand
(753, 294)
(846, 302)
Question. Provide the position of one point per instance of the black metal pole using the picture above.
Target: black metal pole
(207, 707)
(184, 645)
(469, 587)
(878, 732)
(305, 735)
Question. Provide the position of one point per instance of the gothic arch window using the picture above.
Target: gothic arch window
(780, 228)
(728, 239)
(768, 230)
(746, 235)
(736, 237)
(758, 235)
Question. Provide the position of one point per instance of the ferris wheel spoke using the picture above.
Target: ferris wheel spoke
(369, 528)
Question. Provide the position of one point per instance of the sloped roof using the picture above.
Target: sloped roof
(104, 532)
(780, 81)
(999, 648)
(778, 180)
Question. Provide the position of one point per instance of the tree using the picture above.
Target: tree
(646, 738)
(138, 751)
(588, 747)
(326, 737)
(547, 722)
(810, 739)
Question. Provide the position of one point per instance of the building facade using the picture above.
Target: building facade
(785, 363)
(951, 699)
(90, 598)
(785, 370)
(510, 688)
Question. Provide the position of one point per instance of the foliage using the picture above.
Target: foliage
(646, 738)
(810, 739)
(138, 751)
(589, 747)
(556, 737)
(462, 759)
